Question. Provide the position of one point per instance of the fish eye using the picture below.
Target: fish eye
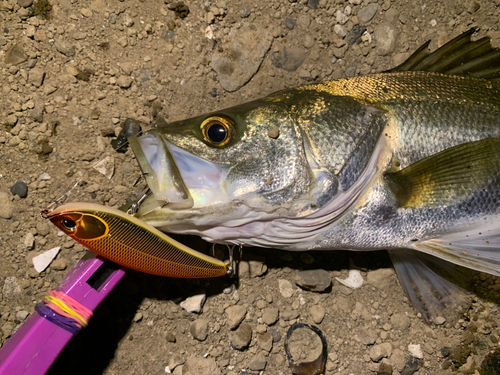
(68, 224)
(217, 131)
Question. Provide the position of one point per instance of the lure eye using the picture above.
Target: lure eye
(218, 131)
(69, 225)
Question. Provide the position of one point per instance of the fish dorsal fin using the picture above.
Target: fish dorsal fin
(460, 56)
(447, 176)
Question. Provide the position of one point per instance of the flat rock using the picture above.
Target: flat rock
(194, 304)
(258, 362)
(265, 341)
(15, 55)
(42, 261)
(65, 48)
(241, 337)
(235, 315)
(367, 13)
(385, 35)
(379, 351)
(380, 278)
(317, 313)
(105, 166)
(242, 57)
(6, 206)
(11, 288)
(270, 316)
(286, 288)
(313, 280)
(36, 77)
(199, 329)
(200, 366)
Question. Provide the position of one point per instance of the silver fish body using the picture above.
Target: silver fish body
(401, 160)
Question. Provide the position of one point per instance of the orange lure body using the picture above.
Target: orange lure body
(132, 243)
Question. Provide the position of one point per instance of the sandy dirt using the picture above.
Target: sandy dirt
(72, 71)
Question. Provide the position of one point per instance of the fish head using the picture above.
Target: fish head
(79, 222)
(225, 169)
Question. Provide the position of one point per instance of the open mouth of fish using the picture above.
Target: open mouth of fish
(178, 179)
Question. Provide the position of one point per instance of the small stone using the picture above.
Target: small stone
(86, 12)
(439, 320)
(313, 280)
(170, 337)
(21, 315)
(379, 351)
(241, 337)
(413, 364)
(368, 337)
(317, 313)
(235, 315)
(290, 23)
(258, 362)
(270, 316)
(416, 351)
(6, 207)
(79, 35)
(24, 3)
(42, 261)
(380, 278)
(59, 264)
(252, 268)
(286, 288)
(11, 120)
(65, 48)
(31, 63)
(11, 288)
(289, 315)
(400, 322)
(445, 351)
(199, 329)
(200, 366)
(105, 166)
(309, 41)
(245, 12)
(175, 361)
(122, 41)
(20, 188)
(127, 21)
(138, 317)
(29, 241)
(340, 17)
(386, 36)
(355, 34)
(385, 368)
(44, 176)
(194, 304)
(275, 334)
(367, 13)
(124, 81)
(42, 228)
(265, 341)
(15, 55)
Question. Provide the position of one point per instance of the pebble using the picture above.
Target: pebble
(439, 320)
(170, 336)
(367, 13)
(11, 288)
(124, 81)
(289, 58)
(355, 34)
(130, 127)
(341, 18)
(379, 351)
(200, 366)
(29, 241)
(386, 36)
(265, 341)
(138, 317)
(20, 188)
(416, 351)
(400, 322)
(309, 41)
(127, 21)
(286, 288)
(235, 315)
(369, 337)
(42, 228)
(354, 280)
(244, 12)
(194, 304)
(11, 120)
(270, 316)
(385, 368)
(65, 48)
(21, 315)
(199, 329)
(290, 23)
(242, 58)
(275, 334)
(241, 337)
(317, 313)
(6, 207)
(252, 268)
(59, 264)
(313, 280)
(175, 361)
(258, 362)
(15, 55)
(42, 261)
(24, 3)
(380, 278)
(289, 314)
(31, 63)
(413, 364)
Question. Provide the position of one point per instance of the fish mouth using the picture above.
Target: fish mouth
(178, 179)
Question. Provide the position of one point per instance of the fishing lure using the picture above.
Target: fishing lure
(130, 242)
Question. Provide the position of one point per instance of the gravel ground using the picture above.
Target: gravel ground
(72, 72)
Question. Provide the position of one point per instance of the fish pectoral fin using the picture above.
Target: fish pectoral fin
(447, 176)
(432, 285)
(460, 56)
